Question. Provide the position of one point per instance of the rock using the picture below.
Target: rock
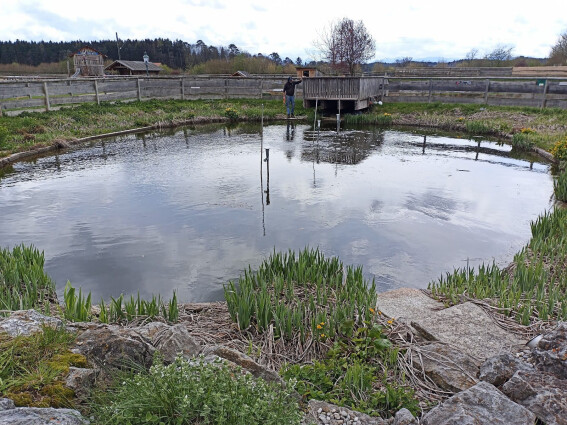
(172, 340)
(550, 355)
(481, 404)
(244, 361)
(448, 367)
(404, 417)
(320, 412)
(498, 369)
(150, 329)
(114, 347)
(6, 403)
(468, 327)
(27, 322)
(541, 393)
(10, 415)
(81, 381)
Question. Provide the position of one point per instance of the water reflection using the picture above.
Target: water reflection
(180, 209)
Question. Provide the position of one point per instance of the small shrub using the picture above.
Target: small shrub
(479, 127)
(3, 134)
(195, 393)
(231, 114)
(522, 141)
(559, 150)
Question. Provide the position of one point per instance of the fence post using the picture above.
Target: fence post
(226, 88)
(139, 90)
(96, 92)
(486, 91)
(429, 97)
(544, 95)
(382, 93)
(261, 88)
(182, 88)
(47, 106)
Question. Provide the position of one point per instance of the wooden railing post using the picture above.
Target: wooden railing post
(486, 89)
(429, 97)
(139, 90)
(182, 83)
(544, 95)
(46, 92)
(96, 92)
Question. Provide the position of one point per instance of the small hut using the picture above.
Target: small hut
(307, 71)
(134, 68)
(88, 62)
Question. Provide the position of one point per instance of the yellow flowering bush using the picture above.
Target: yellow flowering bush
(559, 150)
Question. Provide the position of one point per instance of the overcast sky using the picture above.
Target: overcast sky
(421, 29)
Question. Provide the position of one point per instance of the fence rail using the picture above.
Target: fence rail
(53, 93)
(542, 93)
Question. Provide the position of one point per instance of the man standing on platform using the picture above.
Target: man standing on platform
(289, 96)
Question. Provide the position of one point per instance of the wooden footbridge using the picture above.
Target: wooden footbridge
(342, 93)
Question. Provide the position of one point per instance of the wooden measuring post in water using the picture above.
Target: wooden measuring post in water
(267, 176)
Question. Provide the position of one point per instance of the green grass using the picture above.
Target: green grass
(194, 393)
(30, 129)
(23, 282)
(33, 368)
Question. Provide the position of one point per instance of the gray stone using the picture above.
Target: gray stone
(541, 393)
(320, 412)
(550, 355)
(27, 322)
(481, 404)
(404, 417)
(498, 369)
(39, 416)
(6, 403)
(448, 367)
(244, 361)
(406, 304)
(173, 340)
(468, 327)
(81, 381)
(114, 347)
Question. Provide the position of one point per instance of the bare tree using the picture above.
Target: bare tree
(558, 55)
(500, 54)
(404, 62)
(347, 45)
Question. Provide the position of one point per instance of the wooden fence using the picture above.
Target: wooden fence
(542, 93)
(50, 94)
(53, 93)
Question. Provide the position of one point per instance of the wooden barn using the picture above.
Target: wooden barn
(88, 62)
(121, 67)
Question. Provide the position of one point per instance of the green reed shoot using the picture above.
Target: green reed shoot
(23, 282)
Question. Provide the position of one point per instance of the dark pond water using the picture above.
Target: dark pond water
(188, 210)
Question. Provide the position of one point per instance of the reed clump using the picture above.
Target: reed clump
(533, 288)
(23, 282)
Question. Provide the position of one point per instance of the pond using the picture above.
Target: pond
(190, 209)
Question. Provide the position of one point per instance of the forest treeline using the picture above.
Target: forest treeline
(176, 54)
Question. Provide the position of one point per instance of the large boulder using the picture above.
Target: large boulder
(541, 393)
(550, 355)
(10, 415)
(171, 340)
(448, 367)
(27, 322)
(480, 404)
(114, 347)
(498, 369)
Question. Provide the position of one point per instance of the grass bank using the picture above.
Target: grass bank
(525, 127)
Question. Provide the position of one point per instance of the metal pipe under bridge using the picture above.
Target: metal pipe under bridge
(343, 93)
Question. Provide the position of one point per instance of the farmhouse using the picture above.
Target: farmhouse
(134, 68)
